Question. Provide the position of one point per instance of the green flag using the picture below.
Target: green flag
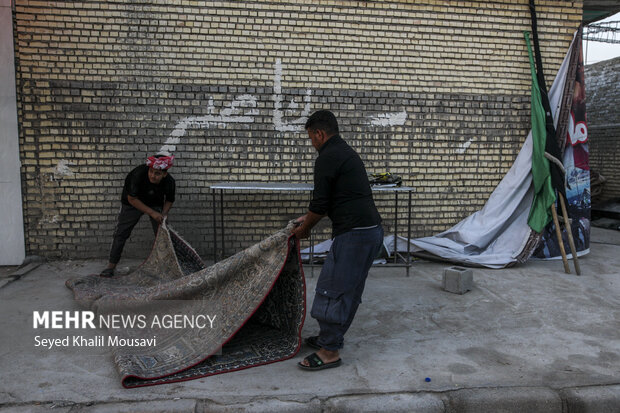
(544, 196)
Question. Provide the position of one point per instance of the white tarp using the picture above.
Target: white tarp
(320, 250)
(494, 236)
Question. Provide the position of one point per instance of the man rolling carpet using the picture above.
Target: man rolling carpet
(342, 192)
(148, 189)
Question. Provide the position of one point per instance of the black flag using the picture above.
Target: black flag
(551, 146)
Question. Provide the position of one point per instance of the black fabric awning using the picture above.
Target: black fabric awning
(595, 10)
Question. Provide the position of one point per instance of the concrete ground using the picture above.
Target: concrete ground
(525, 339)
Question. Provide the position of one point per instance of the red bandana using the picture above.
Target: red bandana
(163, 163)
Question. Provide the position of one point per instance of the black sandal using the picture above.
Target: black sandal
(315, 363)
(108, 272)
(313, 342)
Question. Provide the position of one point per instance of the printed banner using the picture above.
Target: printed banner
(577, 167)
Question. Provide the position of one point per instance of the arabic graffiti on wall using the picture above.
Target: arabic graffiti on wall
(287, 116)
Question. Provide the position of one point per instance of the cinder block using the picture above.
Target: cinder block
(458, 280)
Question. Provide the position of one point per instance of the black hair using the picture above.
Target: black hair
(323, 120)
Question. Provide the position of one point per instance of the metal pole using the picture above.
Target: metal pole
(213, 211)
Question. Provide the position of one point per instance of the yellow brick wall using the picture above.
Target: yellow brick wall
(435, 91)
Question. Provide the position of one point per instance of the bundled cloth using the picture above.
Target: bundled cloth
(384, 179)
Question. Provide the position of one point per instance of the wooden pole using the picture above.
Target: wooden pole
(558, 233)
(569, 231)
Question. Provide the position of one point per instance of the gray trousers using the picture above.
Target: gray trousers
(341, 284)
(128, 217)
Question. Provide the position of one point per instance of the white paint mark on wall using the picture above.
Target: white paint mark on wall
(241, 110)
(62, 170)
(49, 219)
(237, 106)
(286, 118)
(292, 125)
(463, 147)
(389, 119)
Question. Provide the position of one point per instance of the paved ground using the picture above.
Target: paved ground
(526, 339)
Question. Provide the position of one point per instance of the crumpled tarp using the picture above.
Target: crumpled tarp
(496, 235)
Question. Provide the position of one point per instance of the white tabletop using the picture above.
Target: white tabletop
(290, 186)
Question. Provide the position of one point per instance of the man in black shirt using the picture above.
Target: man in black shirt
(148, 189)
(342, 192)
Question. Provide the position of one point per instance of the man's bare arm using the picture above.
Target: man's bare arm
(142, 207)
(306, 223)
(166, 209)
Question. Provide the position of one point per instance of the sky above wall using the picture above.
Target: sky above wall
(595, 52)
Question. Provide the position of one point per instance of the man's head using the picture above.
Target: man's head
(156, 175)
(321, 126)
(158, 167)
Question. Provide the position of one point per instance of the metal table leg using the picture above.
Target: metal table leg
(395, 226)
(408, 263)
(222, 221)
(311, 246)
(214, 226)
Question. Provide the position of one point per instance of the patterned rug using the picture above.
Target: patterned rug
(256, 297)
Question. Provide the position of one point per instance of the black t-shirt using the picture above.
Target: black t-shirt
(341, 188)
(137, 184)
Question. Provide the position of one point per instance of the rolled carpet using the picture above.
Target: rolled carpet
(254, 301)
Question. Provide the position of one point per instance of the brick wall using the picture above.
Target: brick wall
(437, 92)
(602, 102)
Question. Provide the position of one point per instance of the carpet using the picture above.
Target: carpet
(256, 296)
